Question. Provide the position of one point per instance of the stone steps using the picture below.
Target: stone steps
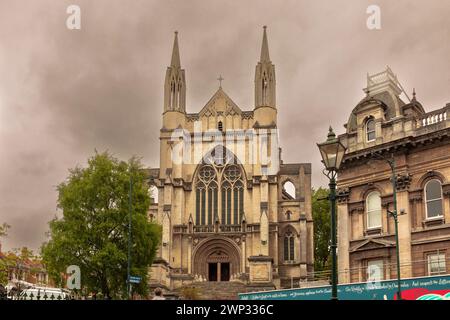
(212, 290)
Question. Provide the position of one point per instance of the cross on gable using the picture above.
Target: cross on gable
(220, 80)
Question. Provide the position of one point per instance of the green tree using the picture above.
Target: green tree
(4, 261)
(322, 229)
(4, 229)
(24, 254)
(93, 230)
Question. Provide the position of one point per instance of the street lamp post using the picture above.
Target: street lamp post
(332, 152)
(129, 237)
(394, 214)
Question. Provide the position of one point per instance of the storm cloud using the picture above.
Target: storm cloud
(64, 93)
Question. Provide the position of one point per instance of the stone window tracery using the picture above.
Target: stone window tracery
(219, 190)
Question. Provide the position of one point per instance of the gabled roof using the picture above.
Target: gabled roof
(211, 106)
(370, 244)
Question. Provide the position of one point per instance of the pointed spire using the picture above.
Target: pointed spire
(175, 52)
(265, 48)
(414, 94)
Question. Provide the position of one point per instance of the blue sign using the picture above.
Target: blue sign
(425, 288)
(135, 279)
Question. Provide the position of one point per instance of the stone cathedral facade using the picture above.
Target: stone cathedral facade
(230, 209)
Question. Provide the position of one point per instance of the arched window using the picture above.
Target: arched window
(153, 193)
(288, 190)
(370, 130)
(220, 126)
(172, 101)
(288, 215)
(433, 199)
(219, 191)
(206, 196)
(373, 205)
(289, 246)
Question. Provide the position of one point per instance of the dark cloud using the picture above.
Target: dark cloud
(64, 93)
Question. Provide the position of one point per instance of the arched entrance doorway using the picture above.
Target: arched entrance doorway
(216, 259)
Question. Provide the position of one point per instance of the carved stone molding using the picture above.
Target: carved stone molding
(356, 207)
(264, 206)
(386, 200)
(416, 196)
(446, 190)
(342, 195)
(178, 182)
(430, 175)
(403, 181)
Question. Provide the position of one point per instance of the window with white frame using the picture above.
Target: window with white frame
(375, 270)
(433, 199)
(373, 205)
(370, 130)
(436, 263)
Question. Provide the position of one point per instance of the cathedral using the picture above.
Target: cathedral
(230, 209)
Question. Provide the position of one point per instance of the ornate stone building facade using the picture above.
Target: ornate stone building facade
(382, 125)
(223, 198)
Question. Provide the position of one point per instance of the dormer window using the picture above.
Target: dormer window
(370, 130)
(220, 126)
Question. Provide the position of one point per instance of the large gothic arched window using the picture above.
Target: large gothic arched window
(219, 191)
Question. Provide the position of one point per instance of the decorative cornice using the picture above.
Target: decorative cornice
(396, 145)
(260, 258)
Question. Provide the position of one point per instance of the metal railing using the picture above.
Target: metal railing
(360, 271)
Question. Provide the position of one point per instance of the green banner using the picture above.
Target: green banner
(426, 288)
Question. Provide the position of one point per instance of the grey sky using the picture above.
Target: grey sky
(64, 93)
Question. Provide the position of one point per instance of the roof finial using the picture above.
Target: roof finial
(331, 135)
(220, 80)
(265, 47)
(414, 93)
(175, 62)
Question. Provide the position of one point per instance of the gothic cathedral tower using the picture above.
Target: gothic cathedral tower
(223, 206)
(265, 87)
